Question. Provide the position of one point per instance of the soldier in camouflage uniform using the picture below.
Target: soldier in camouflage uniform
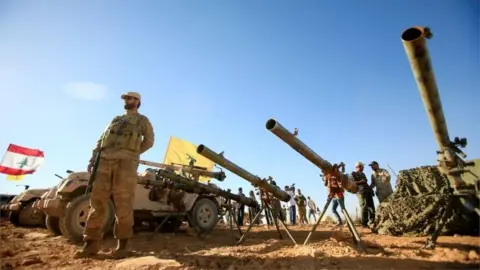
(381, 181)
(121, 144)
(302, 207)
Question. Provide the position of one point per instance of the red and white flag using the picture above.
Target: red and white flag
(21, 160)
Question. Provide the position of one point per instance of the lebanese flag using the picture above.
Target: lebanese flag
(20, 160)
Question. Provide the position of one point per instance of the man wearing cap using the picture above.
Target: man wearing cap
(380, 180)
(364, 194)
(121, 144)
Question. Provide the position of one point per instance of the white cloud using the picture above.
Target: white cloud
(85, 90)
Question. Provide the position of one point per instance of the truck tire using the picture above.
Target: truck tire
(52, 224)
(205, 214)
(28, 216)
(73, 222)
(13, 217)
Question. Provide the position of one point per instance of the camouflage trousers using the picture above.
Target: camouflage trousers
(118, 179)
(302, 213)
(383, 194)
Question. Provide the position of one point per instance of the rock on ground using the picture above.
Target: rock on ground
(148, 262)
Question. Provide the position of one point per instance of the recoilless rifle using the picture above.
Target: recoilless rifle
(463, 175)
(327, 169)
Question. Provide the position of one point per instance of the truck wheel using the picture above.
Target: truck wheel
(73, 222)
(205, 214)
(13, 217)
(53, 225)
(28, 216)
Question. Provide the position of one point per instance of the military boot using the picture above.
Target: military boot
(90, 248)
(121, 250)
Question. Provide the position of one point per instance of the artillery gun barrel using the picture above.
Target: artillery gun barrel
(281, 132)
(414, 42)
(254, 180)
(220, 176)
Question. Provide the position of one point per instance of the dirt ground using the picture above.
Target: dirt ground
(34, 248)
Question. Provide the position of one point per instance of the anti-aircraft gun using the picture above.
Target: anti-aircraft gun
(327, 169)
(166, 178)
(268, 192)
(463, 176)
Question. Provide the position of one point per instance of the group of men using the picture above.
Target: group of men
(379, 180)
(297, 201)
(115, 161)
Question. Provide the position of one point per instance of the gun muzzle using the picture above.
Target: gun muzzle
(281, 132)
(254, 180)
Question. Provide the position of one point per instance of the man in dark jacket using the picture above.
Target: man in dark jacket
(365, 195)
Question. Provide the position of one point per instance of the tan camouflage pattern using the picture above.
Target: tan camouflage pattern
(302, 213)
(142, 124)
(116, 178)
(381, 182)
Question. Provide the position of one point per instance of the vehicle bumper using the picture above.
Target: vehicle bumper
(53, 207)
(11, 207)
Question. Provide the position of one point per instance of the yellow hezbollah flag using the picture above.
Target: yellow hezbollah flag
(180, 152)
(15, 177)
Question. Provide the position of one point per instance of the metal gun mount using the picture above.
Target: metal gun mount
(193, 172)
(463, 176)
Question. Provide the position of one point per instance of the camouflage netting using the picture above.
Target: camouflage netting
(417, 205)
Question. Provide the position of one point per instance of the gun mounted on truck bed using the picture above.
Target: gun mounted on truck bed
(168, 179)
(194, 172)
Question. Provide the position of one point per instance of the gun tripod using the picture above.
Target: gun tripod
(203, 233)
(351, 226)
(268, 205)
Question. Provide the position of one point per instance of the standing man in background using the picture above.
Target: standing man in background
(241, 208)
(312, 208)
(291, 204)
(365, 195)
(252, 211)
(380, 181)
(119, 148)
(302, 210)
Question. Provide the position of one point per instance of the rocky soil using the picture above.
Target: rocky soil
(34, 248)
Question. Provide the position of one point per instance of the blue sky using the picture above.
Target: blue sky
(213, 72)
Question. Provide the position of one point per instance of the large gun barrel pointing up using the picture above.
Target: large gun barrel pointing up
(414, 42)
(281, 132)
(285, 135)
(254, 180)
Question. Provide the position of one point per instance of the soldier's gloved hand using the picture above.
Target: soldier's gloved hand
(89, 167)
